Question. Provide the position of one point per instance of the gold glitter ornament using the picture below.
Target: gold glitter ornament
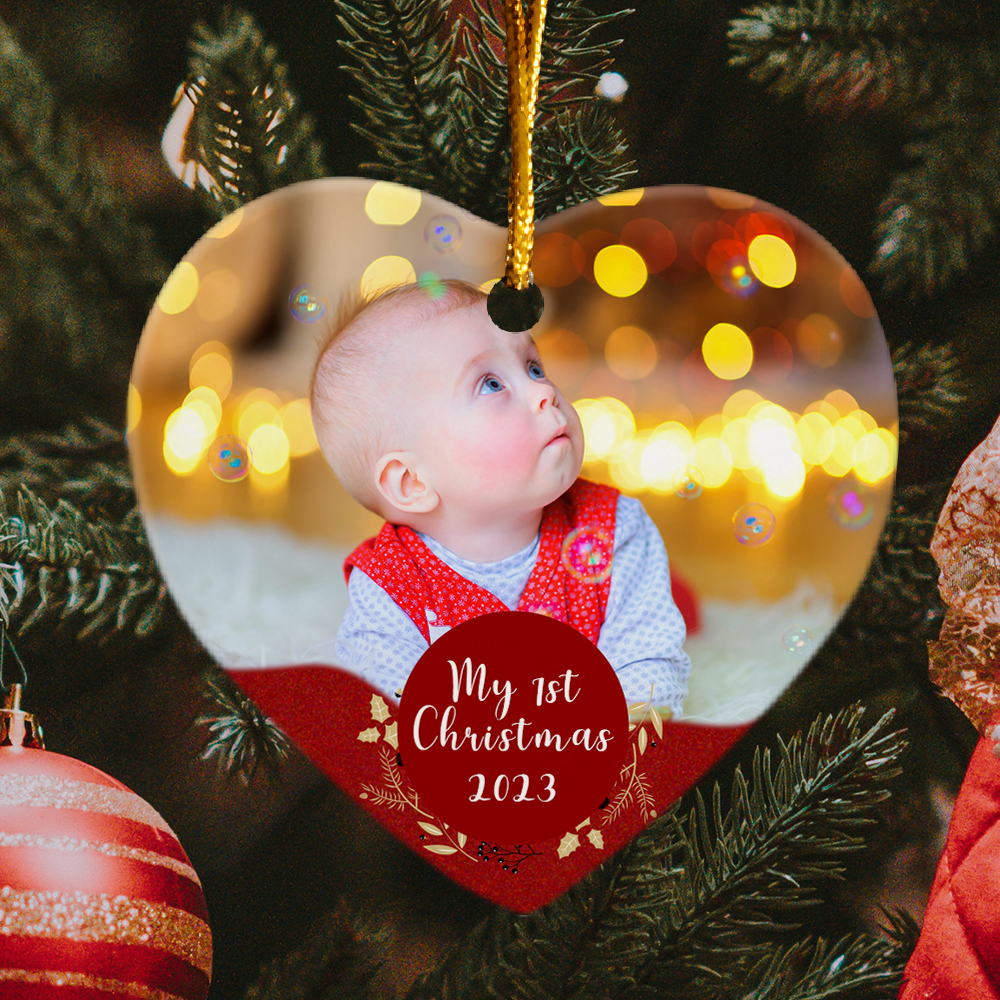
(96, 892)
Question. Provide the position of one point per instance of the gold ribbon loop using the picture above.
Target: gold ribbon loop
(524, 56)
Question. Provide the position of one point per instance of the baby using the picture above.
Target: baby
(447, 426)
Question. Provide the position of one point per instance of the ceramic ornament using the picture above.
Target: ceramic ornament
(730, 380)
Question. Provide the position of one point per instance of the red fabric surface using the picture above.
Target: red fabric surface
(687, 603)
(958, 954)
(399, 562)
(322, 709)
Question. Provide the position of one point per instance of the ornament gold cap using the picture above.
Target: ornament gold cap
(17, 727)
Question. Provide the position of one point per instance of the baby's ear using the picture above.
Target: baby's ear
(401, 487)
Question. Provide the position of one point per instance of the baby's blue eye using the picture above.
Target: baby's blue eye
(535, 370)
(490, 385)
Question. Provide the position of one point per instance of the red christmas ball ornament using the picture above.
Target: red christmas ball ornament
(97, 897)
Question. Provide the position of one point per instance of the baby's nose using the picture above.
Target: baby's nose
(546, 395)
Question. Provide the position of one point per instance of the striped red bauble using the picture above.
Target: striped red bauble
(97, 897)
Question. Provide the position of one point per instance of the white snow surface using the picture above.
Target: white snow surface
(256, 595)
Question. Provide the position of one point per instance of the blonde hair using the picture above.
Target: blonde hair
(352, 411)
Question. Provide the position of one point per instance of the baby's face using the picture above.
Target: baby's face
(492, 433)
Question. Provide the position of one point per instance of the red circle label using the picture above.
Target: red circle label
(513, 728)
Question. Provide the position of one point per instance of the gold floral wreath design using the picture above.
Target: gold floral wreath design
(631, 791)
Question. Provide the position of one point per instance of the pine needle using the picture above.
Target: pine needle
(248, 134)
(695, 902)
(928, 388)
(435, 103)
(857, 967)
(79, 273)
(242, 737)
(337, 960)
(942, 211)
(68, 570)
(840, 56)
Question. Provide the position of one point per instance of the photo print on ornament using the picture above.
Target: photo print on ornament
(712, 436)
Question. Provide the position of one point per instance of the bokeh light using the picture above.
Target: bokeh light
(607, 425)
(630, 352)
(254, 415)
(180, 289)
(820, 339)
(664, 455)
(855, 295)
(654, 242)
(388, 204)
(620, 270)
(133, 413)
(712, 456)
(185, 437)
(224, 227)
(269, 447)
(565, 355)
(557, 260)
(611, 86)
(387, 272)
(727, 351)
(772, 260)
(213, 370)
(631, 197)
(296, 422)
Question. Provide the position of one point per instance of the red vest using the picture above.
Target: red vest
(570, 580)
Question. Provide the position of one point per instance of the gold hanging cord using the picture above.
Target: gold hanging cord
(524, 56)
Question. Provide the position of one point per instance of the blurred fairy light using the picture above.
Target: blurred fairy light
(612, 87)
(388, 204)
(386, 272)
(179, 290)
(772, 260)
(296, 421)
(134, 409)
(727, 351)
(274, 430)
(269, 447)
(185, 438)
(761, 439)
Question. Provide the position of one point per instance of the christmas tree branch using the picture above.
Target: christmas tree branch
(337, 960)
(929, 392)
(241, 736)
(435, 103)
(580, 154)
(941, 211)
(745, 873)
(91, 575)
(571, 58)
(841, 56)
(79, 273)
(859, 967)
(247, 131)
(402, 56)
(692, 904)
(84, 462)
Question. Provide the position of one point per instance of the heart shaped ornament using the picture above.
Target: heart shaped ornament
(515, 711)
